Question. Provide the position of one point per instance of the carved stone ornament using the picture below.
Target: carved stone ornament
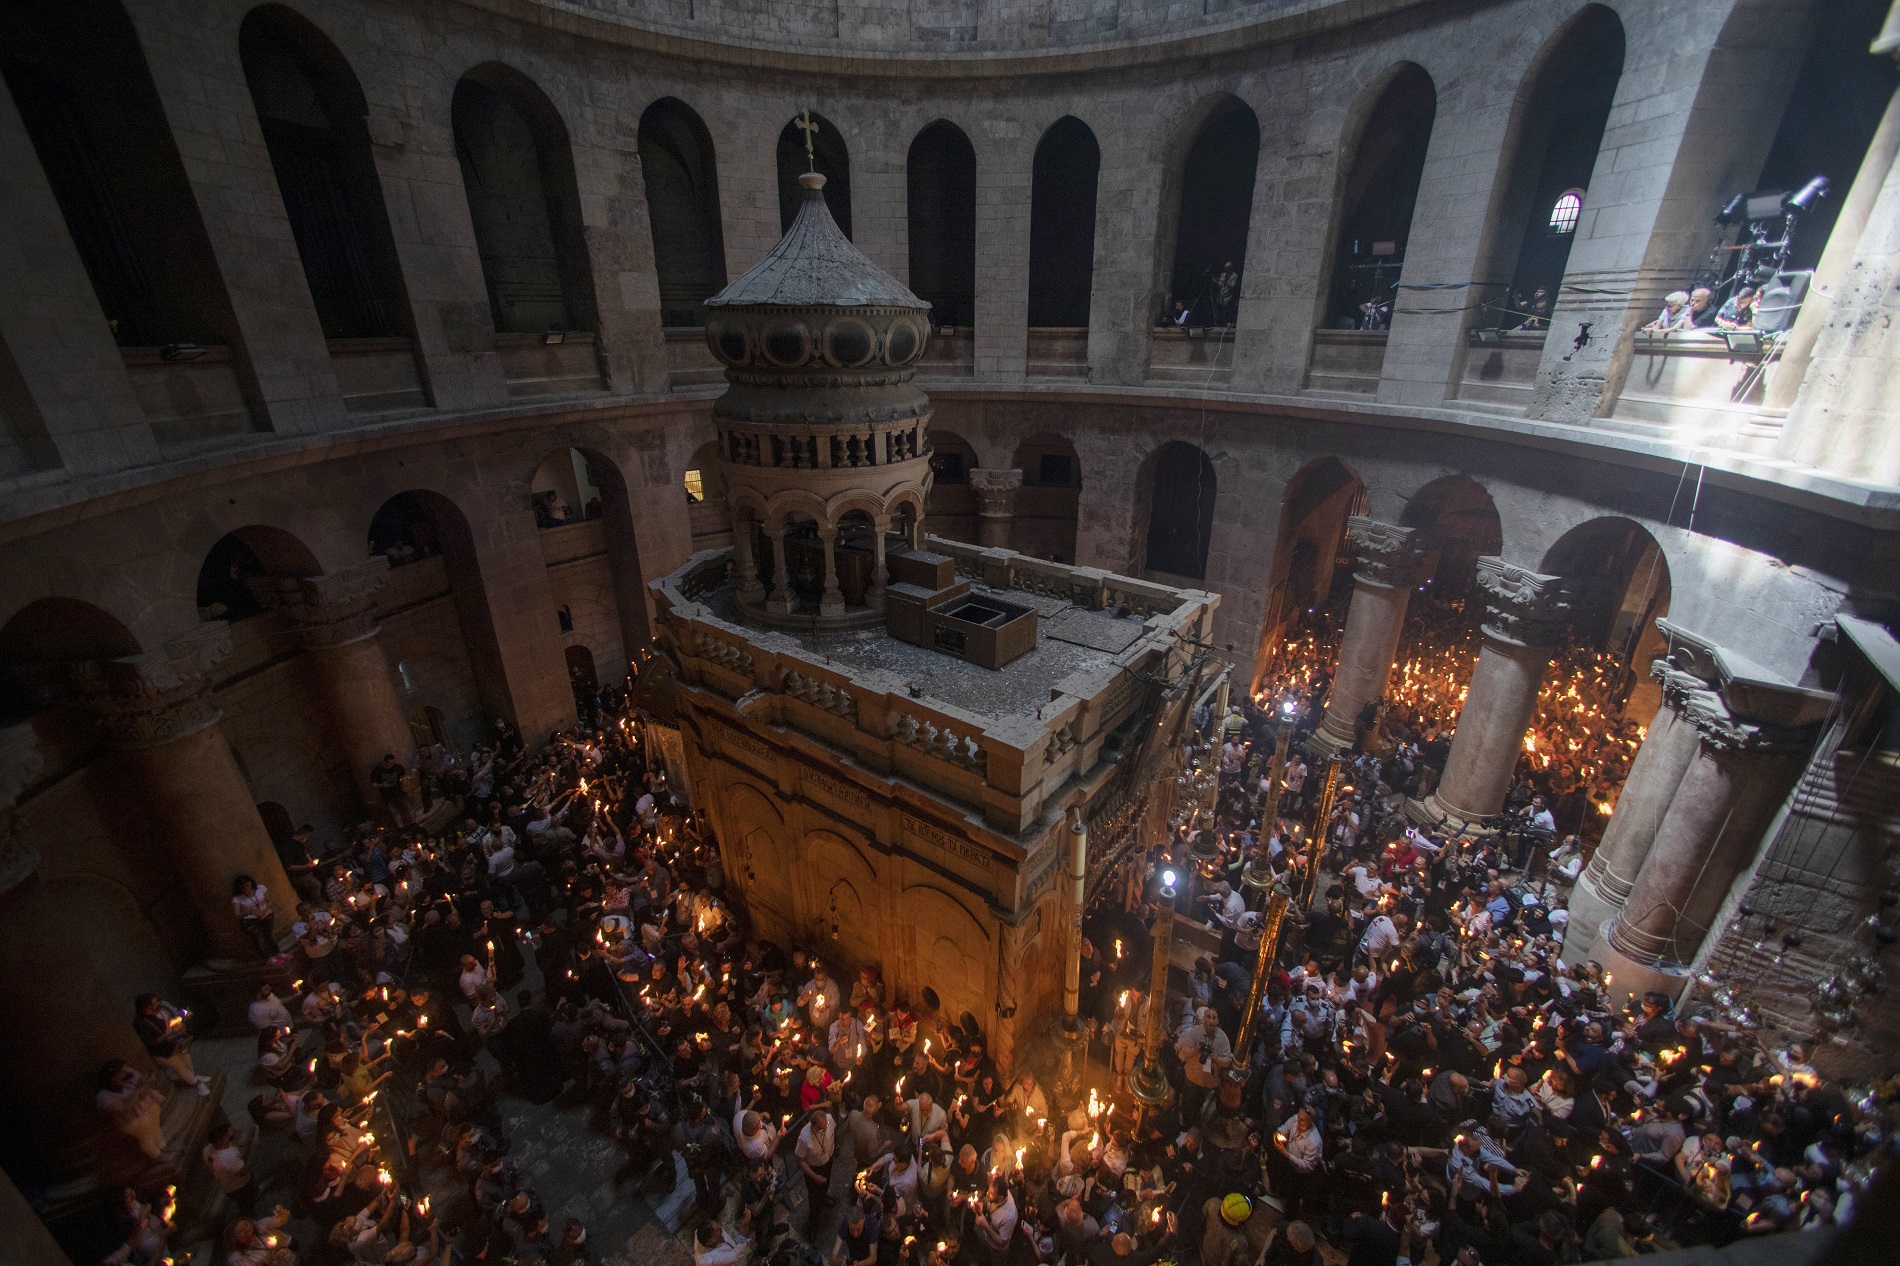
(159, 695)
(20, 764)
(1522, 606)
(1385, 553)
(996, 491)
(335, 608)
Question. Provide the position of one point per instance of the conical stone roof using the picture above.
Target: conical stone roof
(815, 265)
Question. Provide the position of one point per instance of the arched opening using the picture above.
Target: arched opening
(1062, 224)
(244, 561)
(951, 507)
(593, 560)
(1179, 489)
(1459, 522)
(682, 181)
(705, 487)
(856, 556)
(1553, 154)
(1622, 583)
(1048, 505)
(427, 531)
(829, 158)
(40, 644)
(518, 174)
(1377, 200)
(1214, 208)
(316, 128)
(1307, 571)
(940, 185)
(85, 95)
(580, 669)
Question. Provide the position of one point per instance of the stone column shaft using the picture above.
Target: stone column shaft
(781, 596)
(831, 601)
(880, 573)
(158, 711)
(1655, 774)
(995, 505)
(746, 583)
(1386, 560)
(1524, 616)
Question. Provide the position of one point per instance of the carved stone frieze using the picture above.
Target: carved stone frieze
(161, 694)
(335, 608)
(1730, 735)
(1522, 606)
(1384, 553)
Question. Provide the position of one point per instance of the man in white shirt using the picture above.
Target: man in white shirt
(713, 1247)
(267, 1011)
(755, 1135)
(1383, 936)
(816, 1143)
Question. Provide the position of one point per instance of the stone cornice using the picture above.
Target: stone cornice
(1522, 607)
(1384, 553)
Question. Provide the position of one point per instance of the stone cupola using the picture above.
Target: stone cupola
(822, 427)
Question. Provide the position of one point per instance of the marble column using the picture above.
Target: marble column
(1386, 563)
(781, 600)
(157, 710)
(1668, 748)
(831, 600)
(880, 572)
(1742, 770)
(995, 505)
(745, 581)
(1524, 616)
(336, 626)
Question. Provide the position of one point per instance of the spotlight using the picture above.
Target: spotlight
(1167, 879)
(1807, 195)
(1731, 212)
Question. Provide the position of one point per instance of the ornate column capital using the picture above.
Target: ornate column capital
(20, 764)
(995, 490)
(1384, 553)
(159, 695)
(1523, 607)
(1726, 733)
(335, 608)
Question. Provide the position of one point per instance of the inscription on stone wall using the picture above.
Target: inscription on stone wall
(971, 853)
(746, 743)
(842, 790)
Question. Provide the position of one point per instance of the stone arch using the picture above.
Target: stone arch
(951, 503)
(831, 159)
(1211, 197)
(754, 837)
(842, 901)
(1062, 186)
(42, 640)
(1308, 541)
(1177, 487)
(940, 201)
(596, 481)
(1049, 504)
(1391, 127)
(1623, 587)
(681, 172)
(240, 558)
(314, 118)
(1460, 521)
(952, 950)
(707, 508)
(1556, 129)
(524, 201)
(85, 94)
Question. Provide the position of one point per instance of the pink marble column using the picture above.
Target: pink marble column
(1667, 750)
(995, 505)
(1524, 615)
(1741, 772)
(1386, 564)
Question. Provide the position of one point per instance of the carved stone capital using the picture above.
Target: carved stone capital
(20, 764)
(1521, 606)
(159, 695)
(335, 608)
(995, 490)
(1385, 553)
(1727, 734)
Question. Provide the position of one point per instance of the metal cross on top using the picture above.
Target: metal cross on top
(804, 124)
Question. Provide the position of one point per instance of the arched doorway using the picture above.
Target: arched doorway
(518, 174)
(1561, 116)
(1214, 208)
(705, 488)
(682, 182)
(951, 508)
(592, 557)
(39, 645)
(241, 561)
(1062, 225)
(315, 123)
(829, 159)
(940, 187)
(1048, 505)
(1459, 522)
(1308, 546)
(1179, 491)
(1376, 202)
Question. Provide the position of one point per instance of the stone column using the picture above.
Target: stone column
(780, 601)
(880, 573)
(1524, 616)
(1386, 559)
(1741, 772)
(1655, 774)
(336, 625)
(831, 601)
(995, 505)
(746, 582)
(158, 712)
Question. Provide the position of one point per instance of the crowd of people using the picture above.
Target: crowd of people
(1425, 1070)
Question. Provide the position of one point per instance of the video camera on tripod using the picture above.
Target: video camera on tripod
(1764, 256)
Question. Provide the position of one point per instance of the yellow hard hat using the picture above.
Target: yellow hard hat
(1235, 1209)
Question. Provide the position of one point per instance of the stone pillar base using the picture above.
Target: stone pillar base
(1633, 978)
(220, 991)
(1436, 812)
(1327, 739)
(1590, 913)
